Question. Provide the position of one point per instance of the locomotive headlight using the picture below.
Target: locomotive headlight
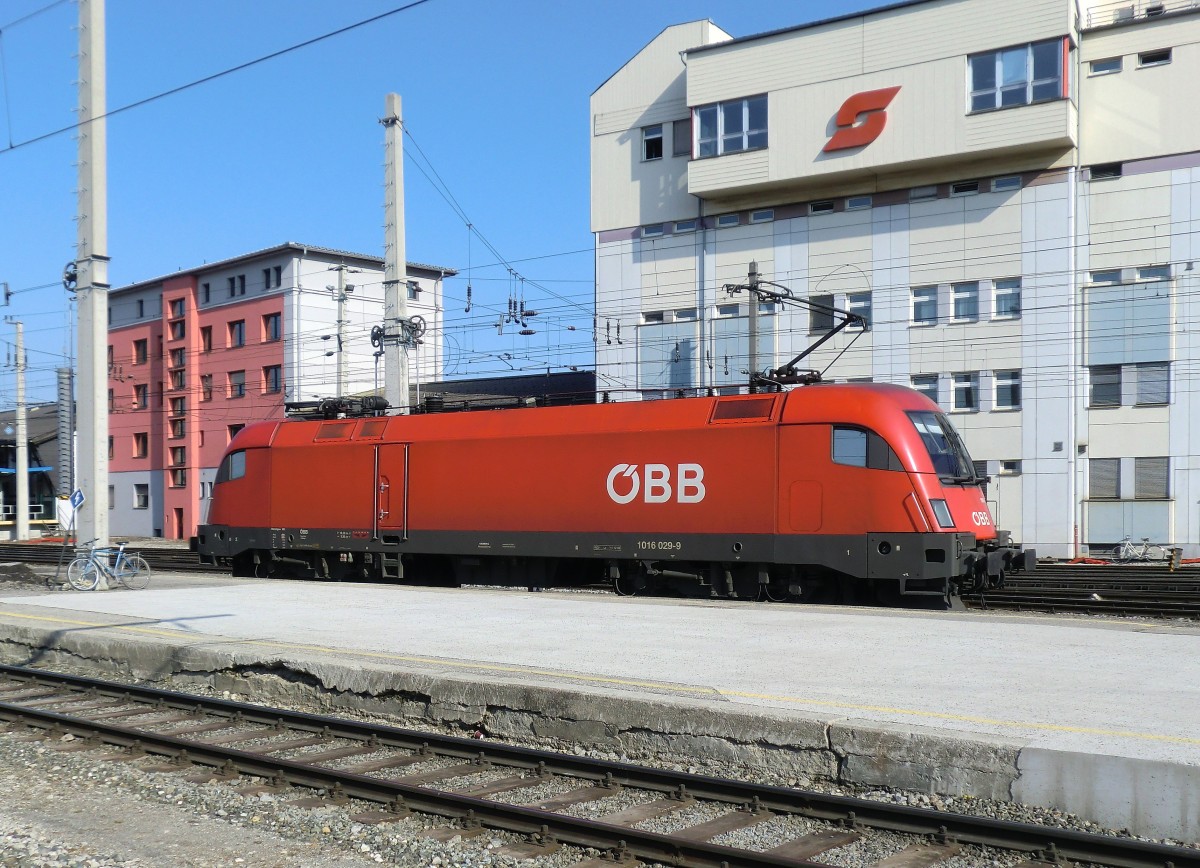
(942, 512)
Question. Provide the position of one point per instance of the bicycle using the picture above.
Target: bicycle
(1147, 551)
(131, 570)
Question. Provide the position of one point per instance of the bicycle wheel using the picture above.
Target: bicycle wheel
(134, 573)
(1156, 553)
(82, 574)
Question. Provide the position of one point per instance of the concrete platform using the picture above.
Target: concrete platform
(1100, 718)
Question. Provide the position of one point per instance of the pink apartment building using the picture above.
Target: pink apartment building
(195, 356)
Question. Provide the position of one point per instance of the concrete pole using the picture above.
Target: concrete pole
(395, 270)
(91, 263)
(22, 521)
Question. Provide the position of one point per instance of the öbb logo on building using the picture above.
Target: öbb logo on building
(656, 484)
(871, 106)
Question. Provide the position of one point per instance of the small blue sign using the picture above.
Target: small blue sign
(77, 499)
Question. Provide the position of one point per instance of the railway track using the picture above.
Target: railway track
(1147, 591)
(169, 558)
(479, 785)
(1137, 590)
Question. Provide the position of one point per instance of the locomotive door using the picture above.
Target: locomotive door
(391, 492)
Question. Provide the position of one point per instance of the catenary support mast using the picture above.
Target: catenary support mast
(395, 277)
(91, 266)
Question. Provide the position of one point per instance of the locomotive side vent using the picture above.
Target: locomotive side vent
(755, 408)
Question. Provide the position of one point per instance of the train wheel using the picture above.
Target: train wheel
(627, 586)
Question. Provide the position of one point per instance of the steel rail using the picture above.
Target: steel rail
(1065, 844)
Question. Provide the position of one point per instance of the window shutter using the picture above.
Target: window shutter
(1105, 478)
(1150, 478)
(1152, 383)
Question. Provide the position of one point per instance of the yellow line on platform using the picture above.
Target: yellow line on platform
(626, 682)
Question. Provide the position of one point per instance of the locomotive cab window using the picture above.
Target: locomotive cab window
(946, 449)
(233, 467)
(860, 447)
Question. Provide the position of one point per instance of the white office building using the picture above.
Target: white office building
(1009, 192)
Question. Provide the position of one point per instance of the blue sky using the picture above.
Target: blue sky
(495, 95)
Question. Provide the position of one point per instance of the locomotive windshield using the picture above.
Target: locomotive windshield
(949, 455)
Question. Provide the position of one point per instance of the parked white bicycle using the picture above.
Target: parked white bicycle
(1147, 551)
(130, 570)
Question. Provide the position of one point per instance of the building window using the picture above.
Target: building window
(1150, 478)
(141, 396)
(652, 142)
(825, 207)
(206, 387)
(685, 226)
(278, 272)
(924, 305)
(681, 138)
(178, 406)
(176, 307)
(206, 339)
(1008, 297)
(141, 308)
(966, 301)
(927, 385)
(141, 444)
(1105, 386)
(178, 357)
(652, 316)
(141, 496)
(764, 216)
(856, 203)
(860, 303)
(820, 315)
(233, 430)
(205, 293)
(414, 290)
(652, 231)
(272, 327)
(110, 400)
(964, 188)
(1104, 478)
(272, 379)
(237, 384)
(966, 391)
(139, 352)
(177, 428)
(1011, 467)
(1154, 58)
(1017, 76)
(110, 448)
(178, 456)
(730, 127)
(1008, 390)
(178, 478)
(237, 333)
(919, 194)
(1106, 66)
(1012, 182)
(177, 330)
(177, 380)
(727, 220)
(232, 286)
(1153, 383)
(1106, 171)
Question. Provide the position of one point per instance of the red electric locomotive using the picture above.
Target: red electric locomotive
(827, 492)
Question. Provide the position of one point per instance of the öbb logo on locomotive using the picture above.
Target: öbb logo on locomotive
(981, 519)
(688, 488)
